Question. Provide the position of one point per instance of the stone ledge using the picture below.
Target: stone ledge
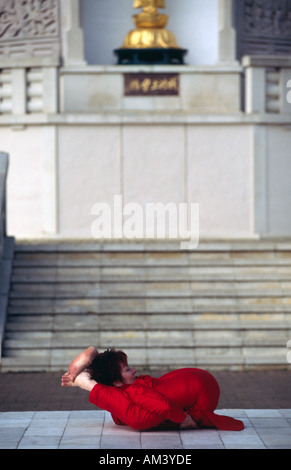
(107, 118)
(266, 61)
(117, 69)
(123, 245)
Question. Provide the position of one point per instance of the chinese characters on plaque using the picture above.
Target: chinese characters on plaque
(151, 84)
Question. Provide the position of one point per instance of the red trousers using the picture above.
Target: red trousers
(149, 402)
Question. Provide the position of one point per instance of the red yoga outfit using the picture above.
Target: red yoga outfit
(148, 402)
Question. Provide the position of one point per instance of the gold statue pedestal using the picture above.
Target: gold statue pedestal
(150, 56)
(150, 42)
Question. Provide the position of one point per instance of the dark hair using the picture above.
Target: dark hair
(105, 368)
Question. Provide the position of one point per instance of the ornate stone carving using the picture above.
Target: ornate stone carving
(265, 17)
(29, 28)
(28, 18)
(264, 26)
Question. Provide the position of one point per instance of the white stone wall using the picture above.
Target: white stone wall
(220, 159)
(209, 165)
(278, 180)
(24, 182)
(89, 172)
(239, 173)
(204, 89)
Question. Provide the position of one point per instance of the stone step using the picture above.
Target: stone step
(150, 289)
(157, 274)
(148, 322)
(154, 358)
(168, 246)
(153, 253)
(222, 305)
(162, 245)
(150, 260)
(139, 305)
(145, 338)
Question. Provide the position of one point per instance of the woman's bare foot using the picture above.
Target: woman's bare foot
(82, 361)
(66, 380)
(83, 380)
(189, 423)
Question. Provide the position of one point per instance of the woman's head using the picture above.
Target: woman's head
(111, 368)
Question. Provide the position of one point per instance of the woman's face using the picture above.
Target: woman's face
(128, 374)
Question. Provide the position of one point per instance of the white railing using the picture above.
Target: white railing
(5, 91)
(266, 84)
(35, 89)
(28, 90)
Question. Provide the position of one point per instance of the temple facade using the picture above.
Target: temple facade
(81, 129)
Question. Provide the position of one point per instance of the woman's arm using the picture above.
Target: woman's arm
(123, 409)
(141, 409)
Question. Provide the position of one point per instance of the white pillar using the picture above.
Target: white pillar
(50, 193)
(255, 90)
(260, 219)
(50, 90)
(18, 91)
(226, 33)
(285, 85)
(73, 39)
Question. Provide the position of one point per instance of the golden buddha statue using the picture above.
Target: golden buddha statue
(150, 24)
(150, 42)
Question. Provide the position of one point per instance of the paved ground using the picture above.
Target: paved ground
(42, 391)
(264, 429)
(36, 413)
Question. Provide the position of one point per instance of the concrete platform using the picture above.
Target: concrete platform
(94, 429)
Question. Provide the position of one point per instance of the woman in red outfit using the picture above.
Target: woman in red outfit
(185, 398)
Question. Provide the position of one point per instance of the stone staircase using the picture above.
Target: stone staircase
(224, 305)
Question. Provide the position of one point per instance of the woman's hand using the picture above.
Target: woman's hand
(189, 423)
(83, 380)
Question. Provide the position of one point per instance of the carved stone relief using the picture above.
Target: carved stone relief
(29, 27)
(28, 18)
(264, 27)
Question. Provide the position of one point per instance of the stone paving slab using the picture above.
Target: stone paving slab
(94, 429)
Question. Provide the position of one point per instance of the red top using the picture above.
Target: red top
(149, 402)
